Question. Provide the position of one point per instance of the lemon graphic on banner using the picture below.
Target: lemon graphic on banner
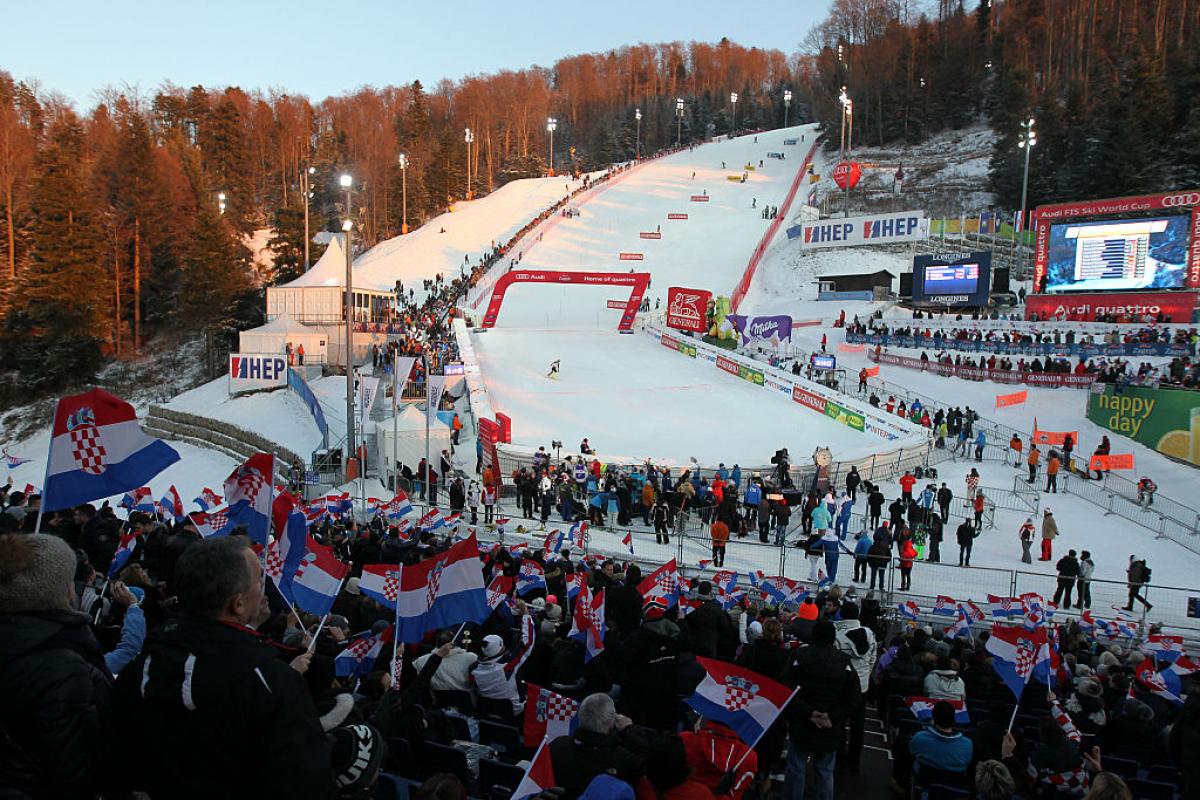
(1183, 444)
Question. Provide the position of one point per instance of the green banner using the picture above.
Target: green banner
(844, 415)
(1167, 420)
(755, 376)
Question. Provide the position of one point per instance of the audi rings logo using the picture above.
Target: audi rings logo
(1181, 200)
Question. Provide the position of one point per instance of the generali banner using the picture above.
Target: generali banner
(1134, 305)
(687, 309)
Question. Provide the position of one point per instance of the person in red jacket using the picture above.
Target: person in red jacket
(908, 554)
(668, 775)
(713, 750)
(907, 481)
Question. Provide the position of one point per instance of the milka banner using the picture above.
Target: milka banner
(774, 329)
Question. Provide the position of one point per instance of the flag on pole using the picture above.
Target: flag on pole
(381, 583)
(498, 590)
(578, 534)
(744, 701)
(661, 585)
(628, 542)
(587, 623)
(207, 499)
(97, 450)
(922, 709)
(431, 520)
(124, 552)
(548, 714)
(575, 583)
(318, 579)
(945, 606)
(137, 500)
(436, 387)
(361, 651)
(212, 523)
(960, 626)
(172, 503)
(531, 577)
(1005, 607)
(1163, 648)
(909, 610)
(249, 493)
(538, 777)
(12, 462)
(444, 590)
(1017, 651)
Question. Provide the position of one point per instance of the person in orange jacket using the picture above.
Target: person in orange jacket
(1052, 467)
(907, 481)
(456, 427)
(1034, 457)
(720, 538)
(1016, 446)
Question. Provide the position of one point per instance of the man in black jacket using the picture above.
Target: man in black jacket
(713, 634)
(966, 540)
(828, 692)
(602, 744)
(944, 496)
(1068, 571)
(651, 686)
(214, 709)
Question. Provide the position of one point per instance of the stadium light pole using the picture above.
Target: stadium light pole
(637, 114)
(1026, 142)
(844, 99)
(220, 202)
(787, 105)
(347, 183)
(733, 98)
(678, 120)
(551, 126)
(403, 194)
(468, 137)
(306, 190)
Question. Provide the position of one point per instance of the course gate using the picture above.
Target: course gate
(639, 281)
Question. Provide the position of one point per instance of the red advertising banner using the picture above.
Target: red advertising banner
(1044, 215)
(489, 434)
(1051, 379)
(677, 216)
(805, 323)
(650, 234)
(728, 365)
(1013, 399)
(1131, 305)
(699, 198)
(807, 398)
(631, 256)
(844, 347)
(1109, 462)
(615, 303)
(505, 423)
(687, 309)
(871, 372)
(637, 281)
(1052, 437)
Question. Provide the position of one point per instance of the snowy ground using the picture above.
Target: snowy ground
(281, 415)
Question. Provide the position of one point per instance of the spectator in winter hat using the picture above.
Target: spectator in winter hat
(54, 685)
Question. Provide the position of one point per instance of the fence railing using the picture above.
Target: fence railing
(1164, 517)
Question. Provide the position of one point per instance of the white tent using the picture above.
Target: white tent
(318, 297)
(410, 440)
(274, 336)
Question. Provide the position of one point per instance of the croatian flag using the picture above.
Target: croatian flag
(531, 577)
(124, 553)
(432, 520)
(452, 520)
(704, 563)
(12, 462)
(539, 777)
(662, 585)
(1165, 680)
(548, 715)
(1036, 612)
(1017, 651)
(97, 450)
(136, 499)
(249, 493)
(628, 542)
(212, 523)
(207, 499)
(587, 623)
(971, 611)
(498, 590)
(578, 534)
(738, 698)
(291, 543)
(575, 583)
(360, 653)
(945, 606)
(554, 542)
(1005, 607)
(318, 579)
(909, 610)
(335, 504)
(381, 583)
(172, 503)
(922, 709)
(398, 507)
(1163, 648)
(960, 627)
(441, 591)
(725, 581)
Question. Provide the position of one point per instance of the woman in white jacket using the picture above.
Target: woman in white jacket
(944, 682)
(473, 496)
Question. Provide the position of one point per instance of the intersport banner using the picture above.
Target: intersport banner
(903, 226)
(1135, 305)
(938, 342)
(687, 309)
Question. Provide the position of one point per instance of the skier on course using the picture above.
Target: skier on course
(553, 373)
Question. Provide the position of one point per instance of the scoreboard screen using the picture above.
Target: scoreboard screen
(1118, 255)
(952, 279)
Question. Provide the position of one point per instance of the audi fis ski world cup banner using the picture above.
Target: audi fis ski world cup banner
(1166, 419)
(249, 372)
(952, 279)
(687, 309)
(1147, 242)
(903, 226)
(1132, 305)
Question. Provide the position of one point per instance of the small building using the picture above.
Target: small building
(318, 297)
(856, 286)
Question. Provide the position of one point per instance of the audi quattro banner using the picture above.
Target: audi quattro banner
(1133, 305)
(903, 226)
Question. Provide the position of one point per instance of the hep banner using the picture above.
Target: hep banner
(687, 309)
(1011, 399)
(253, 372)
(1112, 461)
(1167, 420)
(904, 226)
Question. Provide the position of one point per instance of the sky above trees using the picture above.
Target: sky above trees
(321, 49)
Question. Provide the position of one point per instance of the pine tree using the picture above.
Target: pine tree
(213, 274)
(227, 161)
(57, 319)
(287, 245)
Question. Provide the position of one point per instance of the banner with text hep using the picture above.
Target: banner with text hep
(1014, 399)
